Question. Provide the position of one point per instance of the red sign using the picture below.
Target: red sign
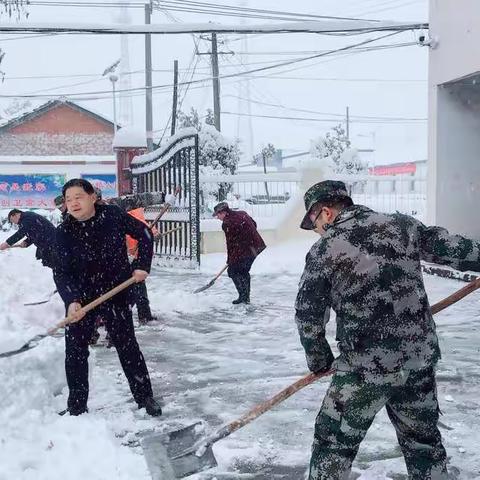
(397, 169)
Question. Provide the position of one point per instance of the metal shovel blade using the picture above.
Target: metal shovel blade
(33, 342)
(205, 287)
(173, 455)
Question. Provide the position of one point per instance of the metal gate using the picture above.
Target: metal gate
(163, 170)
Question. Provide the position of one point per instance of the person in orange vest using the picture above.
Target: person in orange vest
(141, 294)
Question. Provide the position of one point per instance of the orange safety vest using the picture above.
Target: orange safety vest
(132, 244)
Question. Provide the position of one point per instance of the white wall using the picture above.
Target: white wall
(456, 24)
(454, 145)
(457, 194)
(71, 166)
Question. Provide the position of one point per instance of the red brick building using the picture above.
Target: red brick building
(41, 149)
(57, 128)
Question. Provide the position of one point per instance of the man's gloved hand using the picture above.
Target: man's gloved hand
(321, 359)
(322, 370)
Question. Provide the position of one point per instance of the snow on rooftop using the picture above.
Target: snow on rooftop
(129, 136)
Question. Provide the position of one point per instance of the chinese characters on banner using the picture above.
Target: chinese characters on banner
(107, 183)
(30, 191)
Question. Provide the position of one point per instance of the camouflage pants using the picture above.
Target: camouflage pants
(348, 410)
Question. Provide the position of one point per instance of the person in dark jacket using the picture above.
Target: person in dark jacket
(244, 244)
(60, 204)
(37, 230)
(93, 259)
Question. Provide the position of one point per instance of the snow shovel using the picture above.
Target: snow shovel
(167, 232)
(184, 452)
(211, 282)
(164, 210)
(33, 342)
(41, 302)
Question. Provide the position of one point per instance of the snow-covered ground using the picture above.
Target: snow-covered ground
(208, 360)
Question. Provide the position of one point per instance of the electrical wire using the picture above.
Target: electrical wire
(95, 94)
(311, 119)
(342, 116)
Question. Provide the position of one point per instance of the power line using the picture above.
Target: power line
(395, 6)
(227, 76)
(333, 28)
(339, 115)
(321, 120)
(198, 7)
(256, 10)
(28, 37)
(243, 13)
(339, 79)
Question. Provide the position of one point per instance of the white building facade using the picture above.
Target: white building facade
(454, 116)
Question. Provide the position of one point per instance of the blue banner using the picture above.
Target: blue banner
(107, 183)
(30, 191)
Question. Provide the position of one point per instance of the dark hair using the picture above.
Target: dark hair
(78, 182)
(338, 203)
(59, 200)
(11, 213)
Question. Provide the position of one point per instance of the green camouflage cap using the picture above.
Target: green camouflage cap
(322, 192)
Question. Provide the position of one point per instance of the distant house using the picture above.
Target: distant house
(42, 148)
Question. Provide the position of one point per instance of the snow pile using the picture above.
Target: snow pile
(285, 258)
(37, 443)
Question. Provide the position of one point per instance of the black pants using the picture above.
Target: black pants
(143, 304)
(240, 274)
(119, 325)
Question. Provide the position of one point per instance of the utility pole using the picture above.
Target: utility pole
(148, 79)
(348, 123)
(216, 82)
(175, 96)
(113, 78)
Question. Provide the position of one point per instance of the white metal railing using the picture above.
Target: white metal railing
(265, 195)
(261, 195)
(396, 193)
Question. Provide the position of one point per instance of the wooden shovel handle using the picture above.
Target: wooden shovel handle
(455, 297)
(219, 273)
(311, 377)
(278, 398)
(164, 210)
(92, 305)
(167, 232)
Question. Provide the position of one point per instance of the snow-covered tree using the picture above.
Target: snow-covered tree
(13, 8)
(16, 107)
(267, 153)
(332, 146)
(336, 150)
(218, 154)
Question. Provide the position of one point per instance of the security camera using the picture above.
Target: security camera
(426, 41)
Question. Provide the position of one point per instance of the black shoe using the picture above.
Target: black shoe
(151, 406)
(73, 413)
(241, 300)
(146, 319)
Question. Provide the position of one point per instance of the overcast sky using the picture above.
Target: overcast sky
(387, 83)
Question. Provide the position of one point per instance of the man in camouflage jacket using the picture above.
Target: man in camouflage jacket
(366, 267)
